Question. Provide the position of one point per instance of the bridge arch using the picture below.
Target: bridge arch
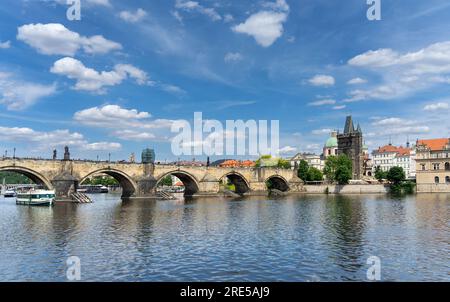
(191, 185)
(238, 180)
(277, 182)
(35, 176)
(128, 185)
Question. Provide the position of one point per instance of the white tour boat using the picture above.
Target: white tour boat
(36, 198)
(9, 194)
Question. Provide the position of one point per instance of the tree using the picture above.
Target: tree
(314, 174)
(284, 164)
(338, 168)
(330, 168)
(303, 169)
(380, 174)
(343, 174)
(262, 158)
(396, 175)
(167, 181)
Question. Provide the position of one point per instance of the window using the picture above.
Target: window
(436, 180)
(435, 166)
(447, 166)
(447, 179)
(423, 167)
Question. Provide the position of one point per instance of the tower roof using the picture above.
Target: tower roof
(349, 127)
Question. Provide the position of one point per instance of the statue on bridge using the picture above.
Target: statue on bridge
(54, 154)
(66, 153)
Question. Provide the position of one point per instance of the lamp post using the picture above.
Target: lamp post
(109, 157)
(14, 154)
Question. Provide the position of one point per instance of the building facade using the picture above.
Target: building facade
(390, 156)
(433, 165)
(350, 143)
(313, 160)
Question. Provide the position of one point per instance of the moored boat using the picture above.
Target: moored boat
(36, 198)
(10, 194)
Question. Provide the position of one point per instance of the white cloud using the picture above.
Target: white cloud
(134, 135)
(322, 80)
(400, 126)
(56, 39)
(278, 5)
(265, 27)
(124, 124)
(322, 102)
(105, 3)
(322, 131)
(403, 73)
(172, 89)
(233, 57)
(190, 6)
(356, 81)
(436, 106)
(89, 79)
(177, 16)
(133, 17)
(432, 59)
(44, 140)
(101, 146)
(5, 45)
(339, 107)
(392, 121)
(18, 95)
(228, 18)
(108, 115)
(287, 150)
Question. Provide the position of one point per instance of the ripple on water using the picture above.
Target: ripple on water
(304, 238)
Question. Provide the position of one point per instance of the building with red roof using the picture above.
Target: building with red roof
(390, 156)
(433, 165)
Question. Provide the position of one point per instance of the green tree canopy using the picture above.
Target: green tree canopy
(303, 169)
(284, 164)
(380, 174)
(167, 181)
(338, 168)
(314, 174)
(396, 175)
(330, 168)
(343, 174)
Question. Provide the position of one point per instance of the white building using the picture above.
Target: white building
(313, 160)
(390, 156)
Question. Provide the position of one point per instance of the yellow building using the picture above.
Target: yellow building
(433, 165)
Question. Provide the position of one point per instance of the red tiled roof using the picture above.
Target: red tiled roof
(235, 163)
(434, 144)
(401, 151)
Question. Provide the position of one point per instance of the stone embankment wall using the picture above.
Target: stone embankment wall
(347, 189)
(433, 188)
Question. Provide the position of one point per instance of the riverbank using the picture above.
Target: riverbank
(347, 189)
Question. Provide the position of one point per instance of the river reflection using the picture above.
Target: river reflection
(296, 238)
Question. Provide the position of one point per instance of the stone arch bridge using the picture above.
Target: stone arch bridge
(140, 180)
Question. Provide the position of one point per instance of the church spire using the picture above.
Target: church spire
(349, 128)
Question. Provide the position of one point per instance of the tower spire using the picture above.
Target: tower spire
(349, 128)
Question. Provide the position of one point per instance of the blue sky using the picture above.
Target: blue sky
(114, 81)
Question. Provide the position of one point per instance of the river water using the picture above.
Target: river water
(296, 238)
